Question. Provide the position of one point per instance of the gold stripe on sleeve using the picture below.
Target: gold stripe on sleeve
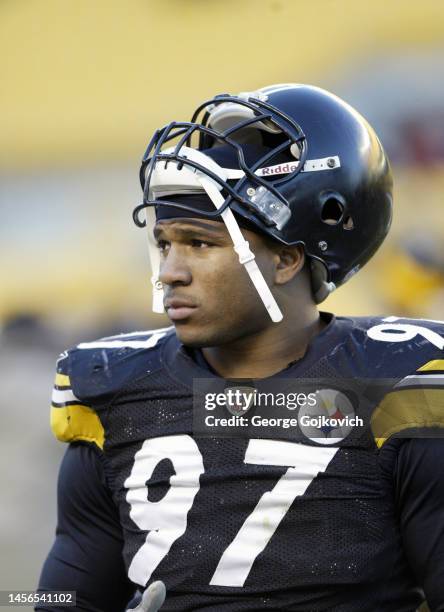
(77, 422)
(62, 380)
(408, 409)
(436, 364)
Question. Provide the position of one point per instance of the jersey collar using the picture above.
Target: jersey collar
(185, 364)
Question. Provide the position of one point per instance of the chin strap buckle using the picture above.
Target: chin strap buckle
(244, 252)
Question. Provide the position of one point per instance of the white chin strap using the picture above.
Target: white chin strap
(167, 180)
(242, 248)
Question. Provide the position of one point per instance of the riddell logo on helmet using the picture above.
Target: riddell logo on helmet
(278, 169)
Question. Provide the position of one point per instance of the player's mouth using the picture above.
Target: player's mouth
(179, 309)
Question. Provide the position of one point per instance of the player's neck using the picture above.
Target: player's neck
(267, 352)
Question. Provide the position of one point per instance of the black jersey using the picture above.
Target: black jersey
(250, 523)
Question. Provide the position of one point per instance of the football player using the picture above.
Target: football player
(256, 210)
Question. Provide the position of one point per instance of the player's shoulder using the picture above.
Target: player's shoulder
(409, 354)
(393, 346)
(91, 373)
(100, 368)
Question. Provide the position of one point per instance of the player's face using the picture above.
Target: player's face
(208, 294)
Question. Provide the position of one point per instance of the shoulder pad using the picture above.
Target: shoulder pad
(101, 368)
(394, 347)
(416, 402)
(92, 372)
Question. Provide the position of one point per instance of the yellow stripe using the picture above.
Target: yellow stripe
(436, 364)
(77, 422)
(62, 380)
(406, 409)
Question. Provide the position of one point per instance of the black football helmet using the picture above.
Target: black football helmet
(294, 162)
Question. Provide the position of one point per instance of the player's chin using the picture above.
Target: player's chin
(198, 333)
(191, 335)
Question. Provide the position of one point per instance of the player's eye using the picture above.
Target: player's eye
(199, 244)
(162, 245)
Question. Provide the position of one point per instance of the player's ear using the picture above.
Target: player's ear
(290, 262)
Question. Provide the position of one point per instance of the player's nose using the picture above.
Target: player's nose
(174, 268)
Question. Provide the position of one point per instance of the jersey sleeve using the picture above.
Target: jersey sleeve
(86, 556)
(418, 481)
(71, 418)
(414, 404)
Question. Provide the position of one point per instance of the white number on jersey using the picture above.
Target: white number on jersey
(403, 332)
(166, 520)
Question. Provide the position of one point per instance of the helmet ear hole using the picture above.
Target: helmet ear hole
(332, 211)
(348, 223)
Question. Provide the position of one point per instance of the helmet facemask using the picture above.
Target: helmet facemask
(176, 165)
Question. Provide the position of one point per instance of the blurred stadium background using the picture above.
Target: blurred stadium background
(83, 85)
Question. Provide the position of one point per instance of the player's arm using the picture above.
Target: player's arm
(86, 556)
(419, 489)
